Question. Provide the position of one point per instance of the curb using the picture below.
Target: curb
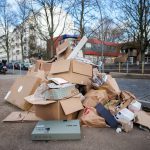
(129, 75)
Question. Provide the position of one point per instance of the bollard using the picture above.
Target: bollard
(142, 67)
(20, 69)
(119, 67)
(127, 71)
(13, 68)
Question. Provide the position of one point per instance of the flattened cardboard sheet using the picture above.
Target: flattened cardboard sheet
(21, 116)
(143, 118)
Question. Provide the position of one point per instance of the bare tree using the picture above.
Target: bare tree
(83, 14)
(136, 18)
(22, 16)
(48, 20)
(6, 18)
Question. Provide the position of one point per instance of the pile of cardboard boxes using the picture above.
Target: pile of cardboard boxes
(70, 89)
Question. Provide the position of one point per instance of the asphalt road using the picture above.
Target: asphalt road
(17, 136)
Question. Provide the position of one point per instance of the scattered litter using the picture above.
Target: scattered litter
(118, 130)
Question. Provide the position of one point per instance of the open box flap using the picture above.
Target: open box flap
(32, 100)
(71, 105)
(62, 47)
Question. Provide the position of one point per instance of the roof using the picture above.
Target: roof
(96, 41)
(109, 54)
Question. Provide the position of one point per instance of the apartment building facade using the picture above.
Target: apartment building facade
(25, 39)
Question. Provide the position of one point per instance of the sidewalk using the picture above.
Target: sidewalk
(130, 75)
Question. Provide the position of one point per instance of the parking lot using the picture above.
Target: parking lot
(17, 136)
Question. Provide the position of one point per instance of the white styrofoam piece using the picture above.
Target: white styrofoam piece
(77, 48)
(124, 115)
(135, 106)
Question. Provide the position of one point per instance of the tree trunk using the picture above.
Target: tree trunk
(7, 56)
(82, 19)
(22, 52)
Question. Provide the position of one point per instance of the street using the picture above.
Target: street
(17, 136)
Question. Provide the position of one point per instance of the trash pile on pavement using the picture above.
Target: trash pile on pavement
(71, 88)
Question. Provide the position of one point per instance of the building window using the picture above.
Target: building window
(88, 45)
(17, 52)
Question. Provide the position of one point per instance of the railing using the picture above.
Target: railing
(127, 67)
(19, 71)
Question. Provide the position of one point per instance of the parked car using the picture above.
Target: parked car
(25, 66)
(17, 65)
(10, 66)
(3, 67)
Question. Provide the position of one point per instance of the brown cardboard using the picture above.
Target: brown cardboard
(126, 98)
(46, 66)
(42, 65)
(62, 47)
(90, 118)
(143, 118)
(111, 87)
(113, 84)
(39, 74)
(21, 88)
(82, 68)
(127, 126)
(38, 65)
(64, 54)
(93, 97)
(21, 116)
(63, 50)
(72, 71)
(57, 110)
(15, 117)
(72, 105)
(60, 66)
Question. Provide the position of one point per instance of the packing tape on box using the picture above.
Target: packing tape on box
(20, 89)
(8, 93)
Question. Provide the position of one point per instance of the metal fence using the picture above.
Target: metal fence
(126, 68)
(14, 71)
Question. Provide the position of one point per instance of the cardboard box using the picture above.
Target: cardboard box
(57, 130)
(21, 88)
(46, 66)
(66, 91)
(57, 110)
(72, 71)
(42, 65)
